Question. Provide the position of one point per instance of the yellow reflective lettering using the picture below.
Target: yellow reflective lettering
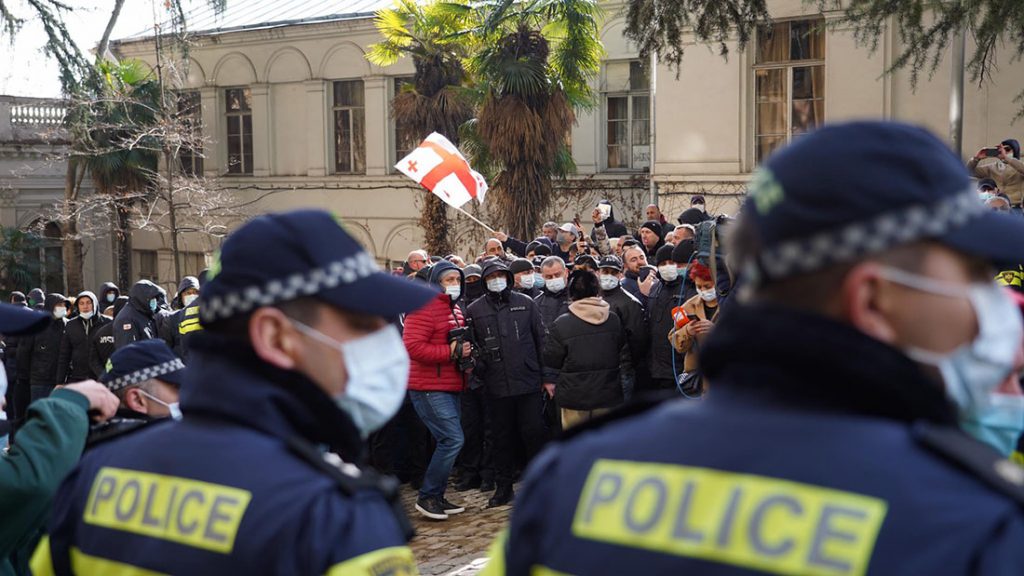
(395, 561)
(198, 514)
(745, 520)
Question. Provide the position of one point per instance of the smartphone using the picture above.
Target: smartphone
(606, 210)
(646, 271)
(992, 152)
(692, 317)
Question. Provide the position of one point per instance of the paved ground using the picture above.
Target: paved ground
(452, 546)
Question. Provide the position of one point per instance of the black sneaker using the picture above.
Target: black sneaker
(502, 496)
(450, 508)
(487, 486)
(431, 508)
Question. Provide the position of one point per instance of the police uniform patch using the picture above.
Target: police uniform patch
(750, 521)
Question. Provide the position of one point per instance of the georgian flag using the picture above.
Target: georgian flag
(440, 168)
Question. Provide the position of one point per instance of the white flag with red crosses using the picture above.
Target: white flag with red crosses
(439, 166)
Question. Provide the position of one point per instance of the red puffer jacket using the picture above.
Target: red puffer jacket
(426, 340)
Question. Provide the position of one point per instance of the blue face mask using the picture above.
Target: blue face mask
(999, 424)
(152, 305)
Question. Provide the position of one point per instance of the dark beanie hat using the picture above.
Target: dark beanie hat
(664, 253)
(652, 226)
(520, 265)
(692, 216)
(683, 251)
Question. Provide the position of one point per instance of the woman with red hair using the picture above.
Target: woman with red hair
(701, 311)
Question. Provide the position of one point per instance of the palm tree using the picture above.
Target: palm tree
(116, 147)
(533, 70)
(430, 34)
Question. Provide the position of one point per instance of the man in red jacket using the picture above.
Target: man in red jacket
(435, 383)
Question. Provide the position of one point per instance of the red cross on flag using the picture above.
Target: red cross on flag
(439, 166)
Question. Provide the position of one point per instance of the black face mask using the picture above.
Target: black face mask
(683, 251)
(474, 290)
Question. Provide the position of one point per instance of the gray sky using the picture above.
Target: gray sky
(26, 71)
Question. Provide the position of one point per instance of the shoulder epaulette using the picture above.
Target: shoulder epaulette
(117, 428)
(628, 410)
(351, 478)
(972, 456)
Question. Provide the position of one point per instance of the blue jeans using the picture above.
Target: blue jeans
(440, 413)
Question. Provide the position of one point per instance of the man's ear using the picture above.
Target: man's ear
(273, 338)
(135, 400)
(867, 302)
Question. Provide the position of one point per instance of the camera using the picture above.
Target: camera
(460, 336)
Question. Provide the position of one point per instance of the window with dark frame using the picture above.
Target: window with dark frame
(238, 110)
(403, 146)
(627, 116)
(349, 127)
(148, 269)
(190, 116)
(789, 78)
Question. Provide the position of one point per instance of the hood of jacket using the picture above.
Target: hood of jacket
(141, 293)
(36, 296)
(108, 287)
(1013, 144)
(186, 283)
(52, 300)
(225, 379)
(437, 270)
(611, 211)
(491, 266)
(90, 296)
(592, 310)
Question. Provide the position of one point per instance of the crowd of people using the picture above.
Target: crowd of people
(856, 366)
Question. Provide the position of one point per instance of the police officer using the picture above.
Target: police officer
(296, 365)
(868, 330)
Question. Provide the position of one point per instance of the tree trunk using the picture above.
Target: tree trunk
(434, 221)
(123, 244)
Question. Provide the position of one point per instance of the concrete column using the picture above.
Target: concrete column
(261, 130)
(377, 98)
(317, 121)
(214, 163)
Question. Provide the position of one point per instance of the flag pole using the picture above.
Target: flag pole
(473, 218)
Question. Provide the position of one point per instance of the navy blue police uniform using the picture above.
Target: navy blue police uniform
(260, 474)
(819, 450)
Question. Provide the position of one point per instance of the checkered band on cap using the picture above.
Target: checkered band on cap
(860, 239)
(147, 373)
(346, 271)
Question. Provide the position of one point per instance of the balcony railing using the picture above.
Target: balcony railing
(38, 115)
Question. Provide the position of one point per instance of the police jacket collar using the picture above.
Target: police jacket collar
(800, 358)
(226, 380)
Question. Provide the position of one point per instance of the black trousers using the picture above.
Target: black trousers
(476, 457)
(515, 420)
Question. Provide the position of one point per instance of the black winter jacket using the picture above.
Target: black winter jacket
(551, 306)
(101, 340)
(73, 362)
(664, 296)
(631, 312)
(38, 353)
(508, 331)
(587, 346)
(137, 321)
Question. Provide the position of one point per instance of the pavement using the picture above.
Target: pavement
(457, 546)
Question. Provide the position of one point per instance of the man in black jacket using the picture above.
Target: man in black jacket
(101, 340)
(552, 302)
(522, 270)
(663, 360)
(177, 328)
(137, 320)
(109, 292)
(508, 330)
(38, 354)
(73, 360)
(634, 323)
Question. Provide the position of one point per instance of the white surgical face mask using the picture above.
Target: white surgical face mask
(377, 366)
(526, 281)
(86, 315)
(188, 300)
(60, 312)
(974, 370)
(453, 291)
(609, 282)
(709, 295)
(172, 407)
(1000, 424)
(111, 297)
(668, 272)
(555, 285)
(538, 279)
(497, 284)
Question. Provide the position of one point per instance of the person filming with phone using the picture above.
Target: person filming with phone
(1003, 165)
